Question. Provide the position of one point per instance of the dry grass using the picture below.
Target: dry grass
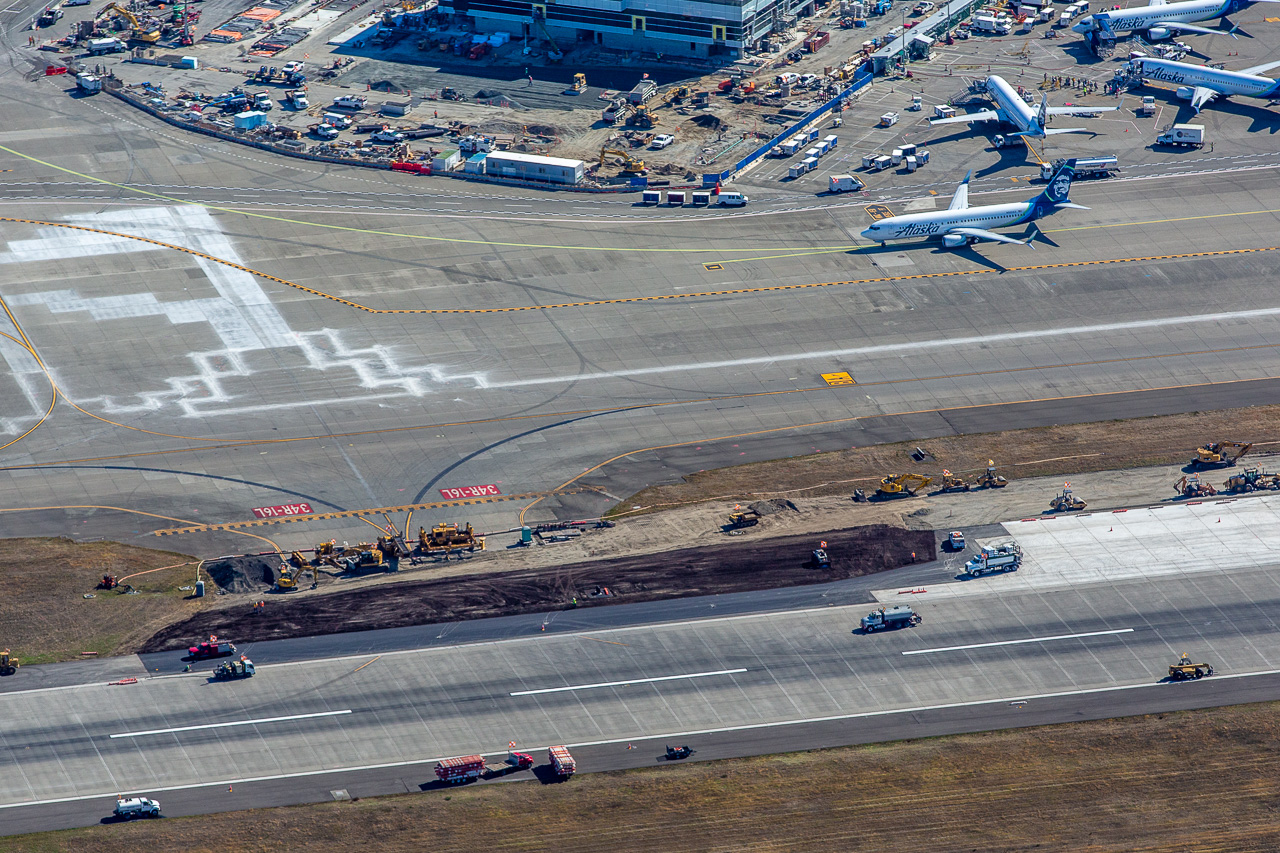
(1197, 780)
(45, 617)
(1044, 451)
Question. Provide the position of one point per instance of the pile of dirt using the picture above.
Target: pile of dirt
(708, 121)
(775, 505)
(735, 566)
(243, 574)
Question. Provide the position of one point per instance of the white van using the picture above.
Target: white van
(733, 199)
(338, 120)
(787, 79)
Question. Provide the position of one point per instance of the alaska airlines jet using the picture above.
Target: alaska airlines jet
(1011, 109)
(961, 224)
(1204, 83)
(1162, 20)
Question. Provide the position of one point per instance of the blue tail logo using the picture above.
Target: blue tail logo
(1058, 190)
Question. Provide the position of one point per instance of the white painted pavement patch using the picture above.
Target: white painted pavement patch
(1018, 642)
(234, 723)
(1151, 542)
(625, 683)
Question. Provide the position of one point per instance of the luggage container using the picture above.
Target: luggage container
(701, 199)
(812, 135)
(650, 197)
(797, 170)
(813, 153)
(911, 163)
(889, 119)
(675, 199)
(884, 161)
(810, 163)
(831, 141)
(869, 160)
(896, 157)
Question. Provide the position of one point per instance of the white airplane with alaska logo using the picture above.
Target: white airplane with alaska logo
(1013, 110)
(960, 224)
(1162, 20)
(1202, 84)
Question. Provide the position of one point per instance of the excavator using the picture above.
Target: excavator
(952, 483)
(897, 485)
(1251, 480)
(140, 31)
(631, 166)
(1067, 502)
(1191, 487)
(1185, 669)
(1219, 454)
(990, 479)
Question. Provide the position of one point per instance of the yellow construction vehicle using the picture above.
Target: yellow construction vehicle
(743, 518)
(1067, 502)
(1251, 480)
(140, 31)
(952, 483)
(990, 479)
(1191, 487)
(1185, 669)
(449, 537)
(579, 82)
(642, 117)
(631, 166)
(1219, 453)
(8, 663)
(288, 579)
(896, 485)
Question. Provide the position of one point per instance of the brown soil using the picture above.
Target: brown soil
(1191, 781)
(735, 566)
(1045, 451)
(44, 616)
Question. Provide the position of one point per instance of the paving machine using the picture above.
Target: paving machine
(1185, 670)
(1217, 454)
(897, 485)
(1191, 487)
(1067, 502)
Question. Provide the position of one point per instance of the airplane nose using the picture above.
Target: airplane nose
(868, 233)
(1084, 26)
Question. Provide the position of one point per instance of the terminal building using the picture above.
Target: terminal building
(689, 28)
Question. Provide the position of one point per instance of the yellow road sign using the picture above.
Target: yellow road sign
(878, 211)
(840, 378)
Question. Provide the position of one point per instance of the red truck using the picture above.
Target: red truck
(478, 50)
(456, 771)
(211, 648)
(561, 761)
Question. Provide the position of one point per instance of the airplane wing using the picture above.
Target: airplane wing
(1157, 2)
(960, 201)
(980, 115)
(1056, 130)
(983, 234)
(1201, 96)
(1079, 110)
(1261, 69)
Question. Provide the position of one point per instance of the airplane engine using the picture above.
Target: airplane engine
(1157, 33)
(954, 241)
(1186, 93)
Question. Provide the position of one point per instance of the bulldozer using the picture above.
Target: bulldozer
(642, 117)
(740, 518)
(449, 537)
(990, 479)
(631, 166)
(1191, 487)
(952, 483)
(1219, 454)
(1067, 502)
(896, 485)
(8, 663)
(579, 83)
(1184, 669)
(1251, 480)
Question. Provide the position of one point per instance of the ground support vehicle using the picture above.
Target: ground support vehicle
(1184, 669)
(675, 753)
(998, 558)
(955, 540)
(233, 669)
(1086, 167)
(898, 616)
(211, 648)
(561, 761)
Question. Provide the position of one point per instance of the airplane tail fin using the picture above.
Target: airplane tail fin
(1055, 195)
(1042, 117)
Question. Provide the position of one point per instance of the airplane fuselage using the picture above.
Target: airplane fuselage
(1224, 82)
(937, 223)
(1013, 109)
(1146, 17)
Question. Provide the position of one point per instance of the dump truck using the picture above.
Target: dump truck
(990, 479)
(743, 518)
(1191, 487)
(458, 771)
(898, 616)
(233, 669)
(1217, 454)
(1067, 502)
(1006, 557)
(211, 648)
(896, 485)
(1251, 480)
(1184, 669)
(561, 761)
